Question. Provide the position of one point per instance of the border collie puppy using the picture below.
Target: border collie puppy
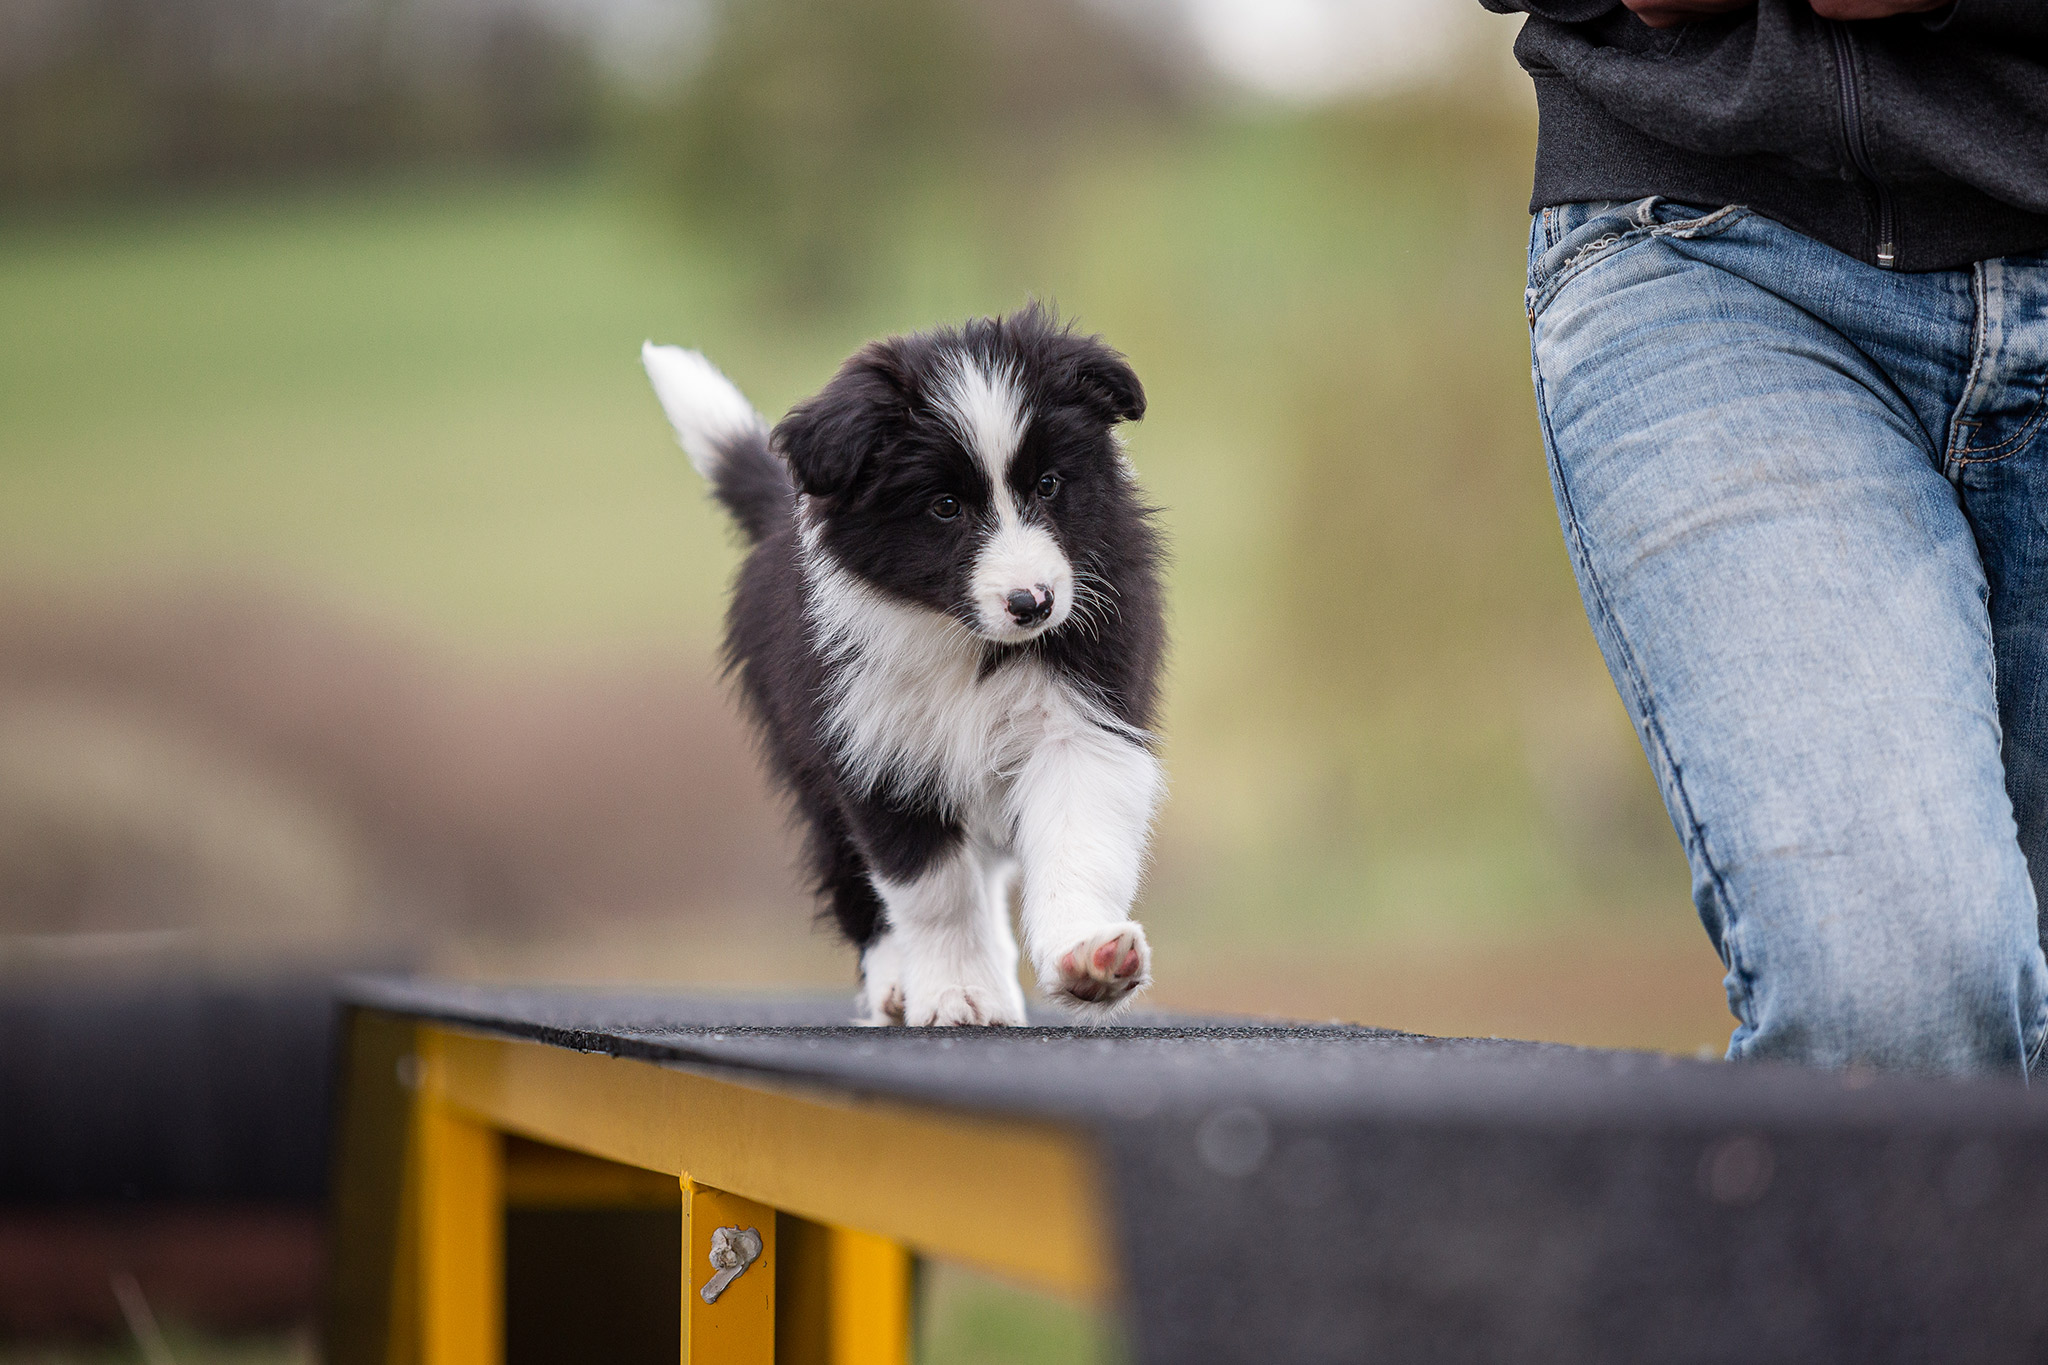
(948, 631)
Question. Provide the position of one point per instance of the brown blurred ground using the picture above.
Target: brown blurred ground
(267, 771)
(1633, 983)
(237, 1269)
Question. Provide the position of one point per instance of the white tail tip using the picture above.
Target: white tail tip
(707, 412)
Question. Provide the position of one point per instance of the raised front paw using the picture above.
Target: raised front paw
(970, 1005)
(1104, 968)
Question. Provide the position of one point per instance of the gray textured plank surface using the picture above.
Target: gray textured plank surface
(1330, 1193)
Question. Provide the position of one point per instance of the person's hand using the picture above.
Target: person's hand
(1870, 9)
(1665, 13)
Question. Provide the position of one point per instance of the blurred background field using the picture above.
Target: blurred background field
(356, 605)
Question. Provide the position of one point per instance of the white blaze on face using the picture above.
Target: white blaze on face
(986, 411)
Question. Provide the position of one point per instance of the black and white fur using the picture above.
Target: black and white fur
(949, 631)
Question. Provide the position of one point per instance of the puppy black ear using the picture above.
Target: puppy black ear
(1109, 383)
(829, 437)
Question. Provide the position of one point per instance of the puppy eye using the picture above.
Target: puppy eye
(946, 508)
(1048, 484)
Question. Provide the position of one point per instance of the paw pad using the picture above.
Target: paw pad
(1105, 967)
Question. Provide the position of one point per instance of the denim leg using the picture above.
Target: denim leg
(1997, 455)
(1791, 601)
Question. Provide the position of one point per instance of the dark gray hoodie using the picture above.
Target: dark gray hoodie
(1917, 143)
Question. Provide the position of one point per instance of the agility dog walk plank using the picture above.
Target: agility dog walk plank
(1238, 1190)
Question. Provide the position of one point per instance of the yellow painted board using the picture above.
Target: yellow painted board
(738, 1326)
(870, 1309)
(461, 1259)
(1021, 1199)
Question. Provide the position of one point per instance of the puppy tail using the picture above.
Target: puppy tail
(726, 440)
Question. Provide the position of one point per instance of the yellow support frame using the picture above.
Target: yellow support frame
(739, 1328)
(843, 1192)
(459, 1177)
(869, 1294)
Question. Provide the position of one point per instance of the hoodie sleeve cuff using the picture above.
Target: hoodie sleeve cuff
(1998, 20)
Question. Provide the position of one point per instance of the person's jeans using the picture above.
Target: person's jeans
(1807, 504)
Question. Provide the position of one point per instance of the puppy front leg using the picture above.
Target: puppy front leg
(949, 944)
(1082, 808)
(941, 954)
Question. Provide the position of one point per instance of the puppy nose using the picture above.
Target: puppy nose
(1029, 607)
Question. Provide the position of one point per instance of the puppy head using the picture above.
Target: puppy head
(971, 471)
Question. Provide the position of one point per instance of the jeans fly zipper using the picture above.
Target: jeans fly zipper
(1859, 151)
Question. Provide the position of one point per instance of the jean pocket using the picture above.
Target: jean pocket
(1571, 237)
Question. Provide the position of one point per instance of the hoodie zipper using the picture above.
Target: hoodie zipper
(1859, 150)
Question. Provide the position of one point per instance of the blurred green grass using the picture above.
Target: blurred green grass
(970, 1319)
(965, 1319)
(186, 1347)
(423, 399)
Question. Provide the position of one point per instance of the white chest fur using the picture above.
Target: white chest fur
(911, 710)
